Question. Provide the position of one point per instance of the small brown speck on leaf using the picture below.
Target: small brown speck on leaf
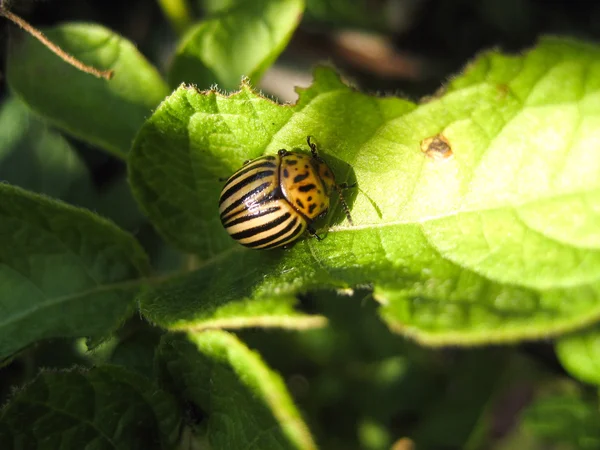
(437, 147)
(503, 90)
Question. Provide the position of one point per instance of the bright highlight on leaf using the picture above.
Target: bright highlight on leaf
(499, 243)
(64, 272)
(105, 113)
(243, 403)
(241, 40)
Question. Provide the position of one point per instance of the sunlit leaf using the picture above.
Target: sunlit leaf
(244, 404)
(241, 39)
(475, 217)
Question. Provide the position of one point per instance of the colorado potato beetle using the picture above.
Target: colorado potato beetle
(272, 200)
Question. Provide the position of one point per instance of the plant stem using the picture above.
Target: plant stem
(179, 14)
(106, 74)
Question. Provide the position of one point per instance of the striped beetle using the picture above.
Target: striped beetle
(272, 200)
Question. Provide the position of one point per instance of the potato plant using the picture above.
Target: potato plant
(468, 282)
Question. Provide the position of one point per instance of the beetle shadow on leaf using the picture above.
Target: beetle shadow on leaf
(344, 175)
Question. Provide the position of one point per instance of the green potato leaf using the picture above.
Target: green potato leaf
(475, 217)
(34, 157)
(104, 113)
(106, 407)
(562, 419)
(242, 40)
(136, 350)
(243, 403)
(214, 297)
(64, 272)
(579, 354)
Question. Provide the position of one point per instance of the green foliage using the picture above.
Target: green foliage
(483, 247)
(242, 38)
(177, 304)
(246, 403)
(105, 113)
(475, 222)
(36, 158)
(54, 259)
(565, 419)
(56, 411)
(579, 353)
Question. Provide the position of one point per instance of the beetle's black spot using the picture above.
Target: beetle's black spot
(292, 162)
(285, 173)
(302, 177)
(299, 203)
(327, 174)
(319, 191)
(312, 207)
(306, 166)
(309, 198)
(306, 188)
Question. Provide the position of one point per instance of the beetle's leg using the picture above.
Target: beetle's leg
(313, 233)
(344, 186)
(340, 188)
(282, 152)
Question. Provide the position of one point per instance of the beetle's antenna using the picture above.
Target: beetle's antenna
(313, 147)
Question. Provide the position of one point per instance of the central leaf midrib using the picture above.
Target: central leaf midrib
(453, 213)
(67, 298)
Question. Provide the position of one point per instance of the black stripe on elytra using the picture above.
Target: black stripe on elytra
(274, 237)
(233, 214)
(249, 167)
(250, 216)
(245, 182)
(289, 238)
(261, 228)
(275, 194)
(307, 187)
(301, 177)
(244, 197)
